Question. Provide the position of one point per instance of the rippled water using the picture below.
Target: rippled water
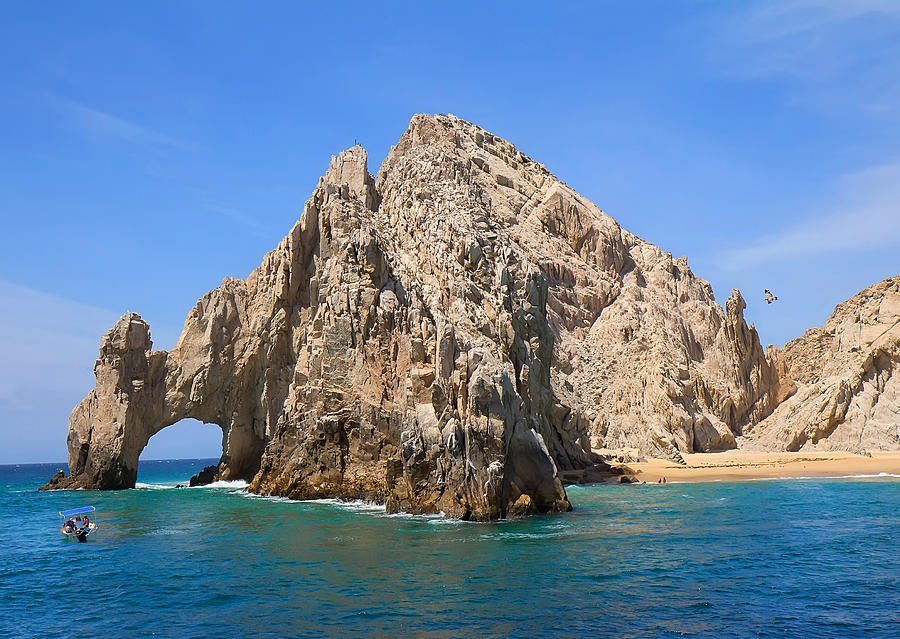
(798, 558)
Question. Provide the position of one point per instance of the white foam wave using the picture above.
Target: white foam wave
(438, 518)
(238, 484)
(355, 504)
(142, 486)
(368, 507)
(283, 500)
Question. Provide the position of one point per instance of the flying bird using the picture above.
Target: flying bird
(769, 297)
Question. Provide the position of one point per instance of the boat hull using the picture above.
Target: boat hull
(79, 535)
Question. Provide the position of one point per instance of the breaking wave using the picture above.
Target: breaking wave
(236, 484)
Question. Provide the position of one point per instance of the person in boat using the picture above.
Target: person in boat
(69, 526)
(85, 523)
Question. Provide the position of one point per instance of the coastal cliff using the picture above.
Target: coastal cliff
(450, 335)
(847, 375)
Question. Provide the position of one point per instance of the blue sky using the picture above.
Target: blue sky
(150, 149)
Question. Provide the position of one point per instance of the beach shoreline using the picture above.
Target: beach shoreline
(737, 465)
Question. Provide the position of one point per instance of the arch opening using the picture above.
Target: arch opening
(233, 448)
(181, 450)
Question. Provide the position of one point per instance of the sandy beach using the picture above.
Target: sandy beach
(735, 465)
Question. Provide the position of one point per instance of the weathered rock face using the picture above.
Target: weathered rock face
(446, 337)
(644, 357)
(110, 427)
(339, 369)
(848, 378)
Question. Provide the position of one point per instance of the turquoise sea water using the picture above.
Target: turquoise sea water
(797, 558)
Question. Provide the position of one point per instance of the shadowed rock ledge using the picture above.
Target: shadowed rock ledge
(450, 336)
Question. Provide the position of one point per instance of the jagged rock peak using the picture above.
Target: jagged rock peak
(332, 375)
(101, 454)
(349, 171)
(644, 357)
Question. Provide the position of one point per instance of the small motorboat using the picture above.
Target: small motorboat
(76, 524)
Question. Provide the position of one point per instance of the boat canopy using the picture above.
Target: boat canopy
(76, 511)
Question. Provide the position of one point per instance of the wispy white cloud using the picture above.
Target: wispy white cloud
(865, 216)
(834, 52)
(777, 19)
(48, 345)
(836, 56)
(101, 124)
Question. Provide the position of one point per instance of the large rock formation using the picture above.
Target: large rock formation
(848, 378)
(449, 336)
(345, 366)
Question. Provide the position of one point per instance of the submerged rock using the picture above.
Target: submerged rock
(205, 477)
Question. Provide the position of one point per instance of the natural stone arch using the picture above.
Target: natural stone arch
(335, 372)
(140, 392)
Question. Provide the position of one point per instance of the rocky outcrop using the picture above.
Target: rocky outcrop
(110, 427)
(205, 477)
(331, 374)
(448, 336)
(847, 375)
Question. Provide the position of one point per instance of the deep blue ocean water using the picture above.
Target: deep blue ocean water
(796, 558)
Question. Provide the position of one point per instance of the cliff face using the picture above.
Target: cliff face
(848, 378)
(343, 365)
(447, 336)
(644, 357)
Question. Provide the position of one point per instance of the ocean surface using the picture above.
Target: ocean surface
(795, 558)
